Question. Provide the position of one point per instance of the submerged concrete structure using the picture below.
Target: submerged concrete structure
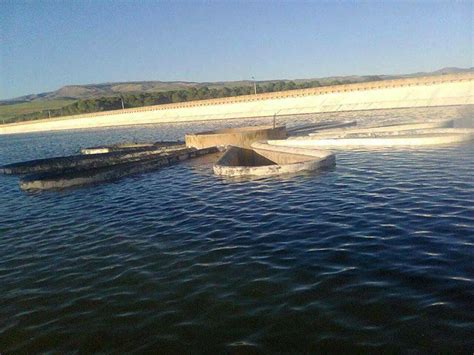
(86, 161)
(441, 90)
(132, 147)
(250, 158)
(79, 177)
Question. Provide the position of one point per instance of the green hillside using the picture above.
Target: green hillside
(10, 113)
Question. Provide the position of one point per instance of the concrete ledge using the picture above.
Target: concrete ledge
(240, 137)
(417, 137)
(395, 129)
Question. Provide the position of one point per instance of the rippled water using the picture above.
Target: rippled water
(376, 254)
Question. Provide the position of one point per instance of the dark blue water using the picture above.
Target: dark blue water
(375, 255)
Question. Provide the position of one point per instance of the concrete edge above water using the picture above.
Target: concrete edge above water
(264, 160)
(240, 137)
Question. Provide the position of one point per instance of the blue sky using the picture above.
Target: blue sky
(49, 44)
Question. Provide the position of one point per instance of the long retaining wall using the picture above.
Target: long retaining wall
(442, 90)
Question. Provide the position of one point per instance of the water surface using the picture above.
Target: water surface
(375, 254)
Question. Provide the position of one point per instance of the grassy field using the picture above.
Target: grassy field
(8, 113)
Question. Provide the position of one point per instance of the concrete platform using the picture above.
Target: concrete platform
(263, 160)
(239, 137)
(420, 137)
(395, 129)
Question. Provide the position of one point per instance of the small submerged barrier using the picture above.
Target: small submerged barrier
(319, 127)
(421, 138)
(417, 134)
(394, 128)
(75, 177)
(82, 161)
(112, 163)
(130, 147)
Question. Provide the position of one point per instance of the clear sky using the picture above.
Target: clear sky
(49, 44)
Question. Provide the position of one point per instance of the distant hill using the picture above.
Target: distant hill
(451, 70)
(75, 92)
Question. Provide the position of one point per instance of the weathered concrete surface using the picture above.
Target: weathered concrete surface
(264, 159)
(395, 129)
(240, 137)
(89, 161)
(442, 90)
(131, 147)
(380, 138)
(323, 126)
(76, 177)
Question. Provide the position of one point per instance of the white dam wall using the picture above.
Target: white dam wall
(444, 90)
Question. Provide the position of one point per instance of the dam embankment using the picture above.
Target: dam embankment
(443, 90)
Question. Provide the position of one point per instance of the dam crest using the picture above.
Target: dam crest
(430, 91)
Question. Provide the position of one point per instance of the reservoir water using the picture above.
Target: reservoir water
(373, 255)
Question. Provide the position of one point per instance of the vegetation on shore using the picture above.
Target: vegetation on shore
(57, 108)
(9, 113)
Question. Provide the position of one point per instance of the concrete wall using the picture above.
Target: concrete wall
(440, 90)
(239, 137)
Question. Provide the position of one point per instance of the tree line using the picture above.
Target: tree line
(131, 100)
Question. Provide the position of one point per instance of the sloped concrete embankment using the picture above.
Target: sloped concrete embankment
(443, 90)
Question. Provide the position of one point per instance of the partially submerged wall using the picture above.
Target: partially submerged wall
(443, 90)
